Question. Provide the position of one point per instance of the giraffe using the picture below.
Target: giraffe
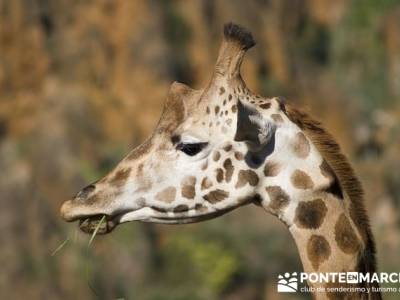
(221, 147)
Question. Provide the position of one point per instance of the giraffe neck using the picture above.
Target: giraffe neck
(334, 247)
(326, 238)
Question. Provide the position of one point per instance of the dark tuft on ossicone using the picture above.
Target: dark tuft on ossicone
(239, 34)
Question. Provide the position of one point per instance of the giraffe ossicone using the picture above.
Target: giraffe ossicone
(222, 147)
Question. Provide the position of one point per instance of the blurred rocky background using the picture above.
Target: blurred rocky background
(82, 82)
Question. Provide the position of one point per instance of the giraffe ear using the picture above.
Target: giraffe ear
(253, 128)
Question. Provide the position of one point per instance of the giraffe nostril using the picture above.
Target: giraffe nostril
(83, 194)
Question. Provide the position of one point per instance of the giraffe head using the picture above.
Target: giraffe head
(207, 155)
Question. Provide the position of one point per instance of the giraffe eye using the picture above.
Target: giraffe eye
(191, 149)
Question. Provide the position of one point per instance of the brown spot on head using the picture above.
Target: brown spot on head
(271, 169)
(219, 174)
(310, 214)
(234, 108)
(206, 183)
(120, 177)
(228, 148)
(301, 180)
(221, 90)
(167, 195)
(216, 110)
(200, 207)
(265, 105)
(345, 236)
(188, 187)
(247, 176)
(181, 208)
(301, 146)
(208, 110)
(279, 198)
(230, 97)
(228, 170)
(216, 156)
(216, 196)
(318, 250)
(239, 155)
(277, 118)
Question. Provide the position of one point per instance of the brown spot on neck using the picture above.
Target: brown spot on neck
(310, 214)
(279, 198)
(345, 236)
(318, 250)
(271, 169)
(301, 180)
(247, 176)
(301, 146)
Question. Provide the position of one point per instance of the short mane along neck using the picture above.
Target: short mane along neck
(343, 241)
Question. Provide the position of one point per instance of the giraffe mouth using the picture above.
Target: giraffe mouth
(89, 221)
(102, 223)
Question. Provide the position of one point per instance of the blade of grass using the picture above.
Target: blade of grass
(88, 254)
(60, 246)
(96, 230)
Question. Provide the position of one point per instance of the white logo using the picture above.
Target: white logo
(352, 277)
(303, 282)
(287, 283)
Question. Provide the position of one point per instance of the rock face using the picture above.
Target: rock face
(83, 81)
